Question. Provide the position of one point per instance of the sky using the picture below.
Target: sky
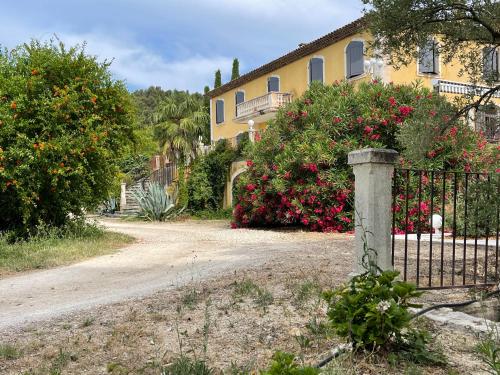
(176, 43)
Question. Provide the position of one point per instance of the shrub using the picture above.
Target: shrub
(63, 123)
(298, 172)
(208, 178)
(372, 310)
(285, 364)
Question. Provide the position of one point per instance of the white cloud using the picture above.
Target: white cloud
(141, 67)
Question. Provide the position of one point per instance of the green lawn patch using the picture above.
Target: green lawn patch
(53, 251)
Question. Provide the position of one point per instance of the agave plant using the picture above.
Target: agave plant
(155, 203)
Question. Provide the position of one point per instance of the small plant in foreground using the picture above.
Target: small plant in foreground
(372, 310)
(186, 366)
(285, 364)
(263, 299)
(9, 352)
(489, 351)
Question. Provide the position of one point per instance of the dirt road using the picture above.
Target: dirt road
(165, 255)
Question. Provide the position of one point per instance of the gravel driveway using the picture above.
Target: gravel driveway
(165, 255)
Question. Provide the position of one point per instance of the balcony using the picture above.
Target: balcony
(262, 108)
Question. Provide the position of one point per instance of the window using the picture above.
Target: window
(488, 122)
(316, 69)
(354, 59)
(219, 111)
(273, 84)
(428, 58)
(239, 97)
(490, 64)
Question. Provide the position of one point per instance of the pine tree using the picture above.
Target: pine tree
(236, 69)
(218, 79)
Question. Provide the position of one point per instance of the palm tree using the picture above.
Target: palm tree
(180, 121)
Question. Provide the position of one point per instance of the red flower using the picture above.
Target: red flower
(453, 131)
(287, 175)
(305, 221)
(249, 163)
(392, 101)
(368, 130)
(374, 137)
(405, 110)
(359, 119)
(384, 122)
(336, 120)
(431, 154)
(251, 187)
(265, 177)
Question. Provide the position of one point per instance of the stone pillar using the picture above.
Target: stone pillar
(373, 172)
(123, 197)
(251, 130)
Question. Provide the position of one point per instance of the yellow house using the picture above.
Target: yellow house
(254, 98)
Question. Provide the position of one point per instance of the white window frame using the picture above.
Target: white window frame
(364, 59)
(223, 112)
(279, 83)
(309, 68)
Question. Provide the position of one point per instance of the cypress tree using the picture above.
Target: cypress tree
(236, 69)
(218, 79)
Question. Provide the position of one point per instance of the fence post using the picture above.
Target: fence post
(373, 173)
(123, 197)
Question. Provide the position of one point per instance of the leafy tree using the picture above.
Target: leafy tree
(147, 102)
(63, 125)
(206, 105)
(236, 69)
(466, 29)
(180, 120)
(218, 79)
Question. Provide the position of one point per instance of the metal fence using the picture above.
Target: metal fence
(446, 228)
(164, 175)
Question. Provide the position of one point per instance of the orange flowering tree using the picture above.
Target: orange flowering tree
(298, 172)
(63, 123)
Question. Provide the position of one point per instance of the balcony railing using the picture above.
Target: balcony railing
(263, 107)
(462, 88)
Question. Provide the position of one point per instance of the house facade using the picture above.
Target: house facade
(254, 98)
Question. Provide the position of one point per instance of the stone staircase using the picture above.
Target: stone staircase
(129, 205)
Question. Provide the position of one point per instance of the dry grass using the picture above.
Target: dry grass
(232, 322)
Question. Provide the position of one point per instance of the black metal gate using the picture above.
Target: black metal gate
(463, 250)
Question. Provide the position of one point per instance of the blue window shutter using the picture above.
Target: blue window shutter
(316, 69)
(354, 59)
(428, 59)
(240, 97)
(490, 63)
(273, 84)
(219, 111)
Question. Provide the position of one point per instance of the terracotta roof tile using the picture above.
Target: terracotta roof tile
(304, 50)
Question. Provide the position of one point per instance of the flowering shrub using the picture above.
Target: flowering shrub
(63, 122)
(298, 172)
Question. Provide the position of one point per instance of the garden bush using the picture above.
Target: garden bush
(63, 122)
(208, 178)
(372, 310)
(298, 172)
